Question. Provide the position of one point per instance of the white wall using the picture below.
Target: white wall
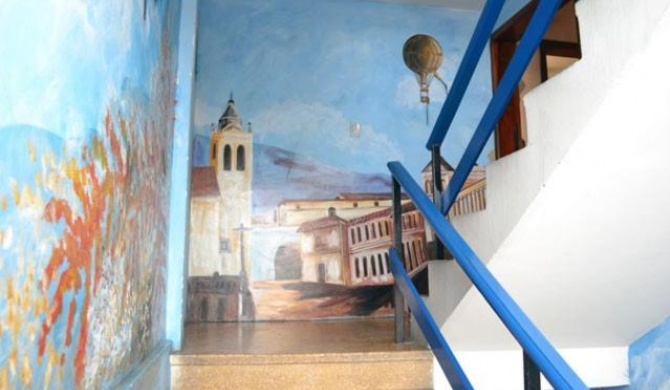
(577, 223)
(557, 113)
(497, 370)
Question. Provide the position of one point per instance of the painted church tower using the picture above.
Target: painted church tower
(231, 156)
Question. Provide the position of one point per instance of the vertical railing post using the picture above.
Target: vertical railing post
(398, 300)
(437, 192)
(531, 374)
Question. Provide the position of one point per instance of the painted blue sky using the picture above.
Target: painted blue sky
(60, 69)
(303, 70)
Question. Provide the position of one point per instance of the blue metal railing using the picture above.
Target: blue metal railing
(540, 22)
(539, 354)
(445, 356)
(552, 365)
(466, 69)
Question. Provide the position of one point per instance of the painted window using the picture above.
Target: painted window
(415, 261)
(214, 152)
(224, 245)
(204, 309)
(240, 158)
(365, 267)
(220, 309)
(227, 158)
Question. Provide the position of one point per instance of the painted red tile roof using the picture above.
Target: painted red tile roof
(364, 196)
(203, 183)
(445, 165)
(385, 213)
(345, 197)
(321, 223)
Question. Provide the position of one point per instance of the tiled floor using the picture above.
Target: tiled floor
(299, 337)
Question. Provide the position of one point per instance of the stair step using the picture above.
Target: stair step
(357, 354)
(380, 370)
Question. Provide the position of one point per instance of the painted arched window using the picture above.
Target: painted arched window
(382, 271)
(214, 151)
(227, 158)
(240, 158)
(365, 266)
(204, 309)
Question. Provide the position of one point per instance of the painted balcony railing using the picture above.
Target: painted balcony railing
(539, 354)
(470, 200)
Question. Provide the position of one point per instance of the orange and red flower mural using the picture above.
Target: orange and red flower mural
(83, 211)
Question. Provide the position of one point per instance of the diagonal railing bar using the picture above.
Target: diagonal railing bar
(466, 69)
(542, 18)
(443, 353)
(533, 342)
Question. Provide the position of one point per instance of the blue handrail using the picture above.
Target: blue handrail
(537, 27)
(466, 69)
(552, 365)
(445, 356)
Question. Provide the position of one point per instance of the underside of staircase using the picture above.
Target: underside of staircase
(342, 354)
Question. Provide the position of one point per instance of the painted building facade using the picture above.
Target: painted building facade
(323, 246)
(205, 249)
(231, 148)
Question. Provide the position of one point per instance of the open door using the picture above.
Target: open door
(559, 48)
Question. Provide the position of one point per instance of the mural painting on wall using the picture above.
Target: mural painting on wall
(290, 197)
(84, 172)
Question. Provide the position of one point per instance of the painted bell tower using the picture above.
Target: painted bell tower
(231, 156)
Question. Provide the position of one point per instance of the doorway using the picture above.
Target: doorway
(560, 48)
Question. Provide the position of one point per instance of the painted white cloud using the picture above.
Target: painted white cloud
(323, 132)
(407, 93)
(77, 56)
(204, 114)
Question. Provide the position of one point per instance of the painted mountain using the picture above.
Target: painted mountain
(281, 174)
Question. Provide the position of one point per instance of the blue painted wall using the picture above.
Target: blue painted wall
(649, 359)
(303, 70)
(180, 175)
(86, 129)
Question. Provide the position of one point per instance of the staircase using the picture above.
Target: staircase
(345, 354)
(576, 223)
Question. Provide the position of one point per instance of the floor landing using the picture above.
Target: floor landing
(293, 337)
